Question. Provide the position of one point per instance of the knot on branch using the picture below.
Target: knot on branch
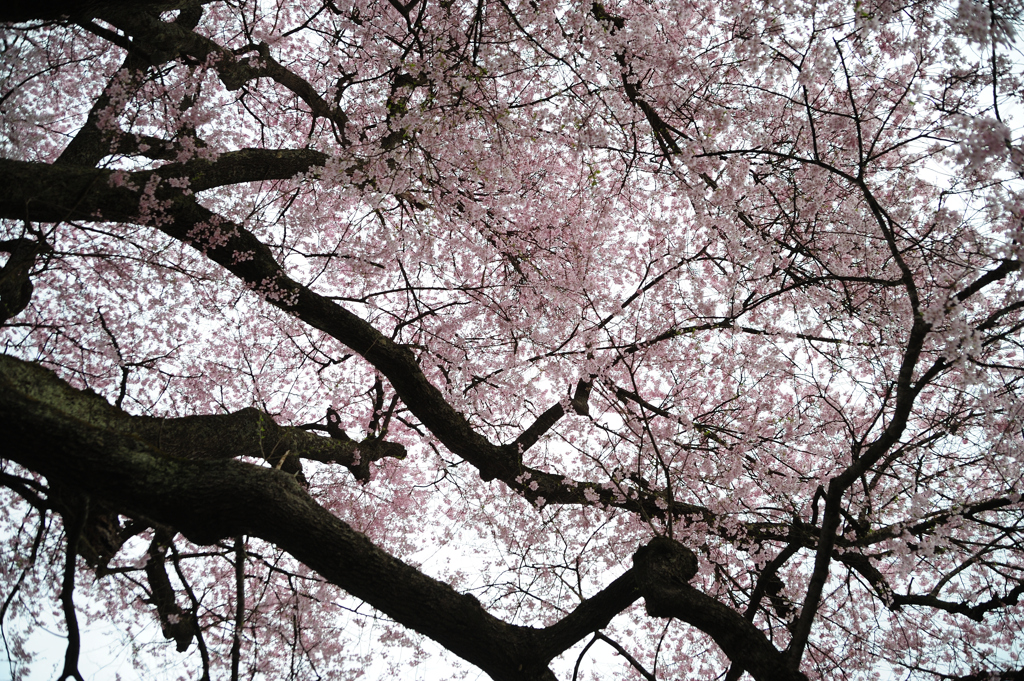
(363, 453)
(334, 428)
(601, 14)
(176, 623)
(504, 463)
(370, 450)
(15, 285)
(190, 15)
(663, 569)
(581, 397)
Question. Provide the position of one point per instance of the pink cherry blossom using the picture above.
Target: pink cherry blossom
(352, 338)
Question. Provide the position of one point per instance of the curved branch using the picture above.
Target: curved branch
(663, 569)
(73, 527)
(248, 432)
(62, 433)
(164, 41)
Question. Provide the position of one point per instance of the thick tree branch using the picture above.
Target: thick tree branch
(93, 141)
(245, 433)
(1015, 675)
(244, 165)
(15, 283)
(663, 569)
(53, 194)
(46, 10)
(65, 435)
(906, 394)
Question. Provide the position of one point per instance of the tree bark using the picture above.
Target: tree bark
(663, 569)
(75, 438)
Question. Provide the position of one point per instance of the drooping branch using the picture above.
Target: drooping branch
(67, 591)
(176, 623)
(55, 194)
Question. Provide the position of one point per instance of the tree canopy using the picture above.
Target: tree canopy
(342, 336)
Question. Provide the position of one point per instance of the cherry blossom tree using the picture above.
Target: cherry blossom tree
(342, 336)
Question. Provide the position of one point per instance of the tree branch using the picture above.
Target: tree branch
(64, 434)
(73, 528)
(663, 569)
